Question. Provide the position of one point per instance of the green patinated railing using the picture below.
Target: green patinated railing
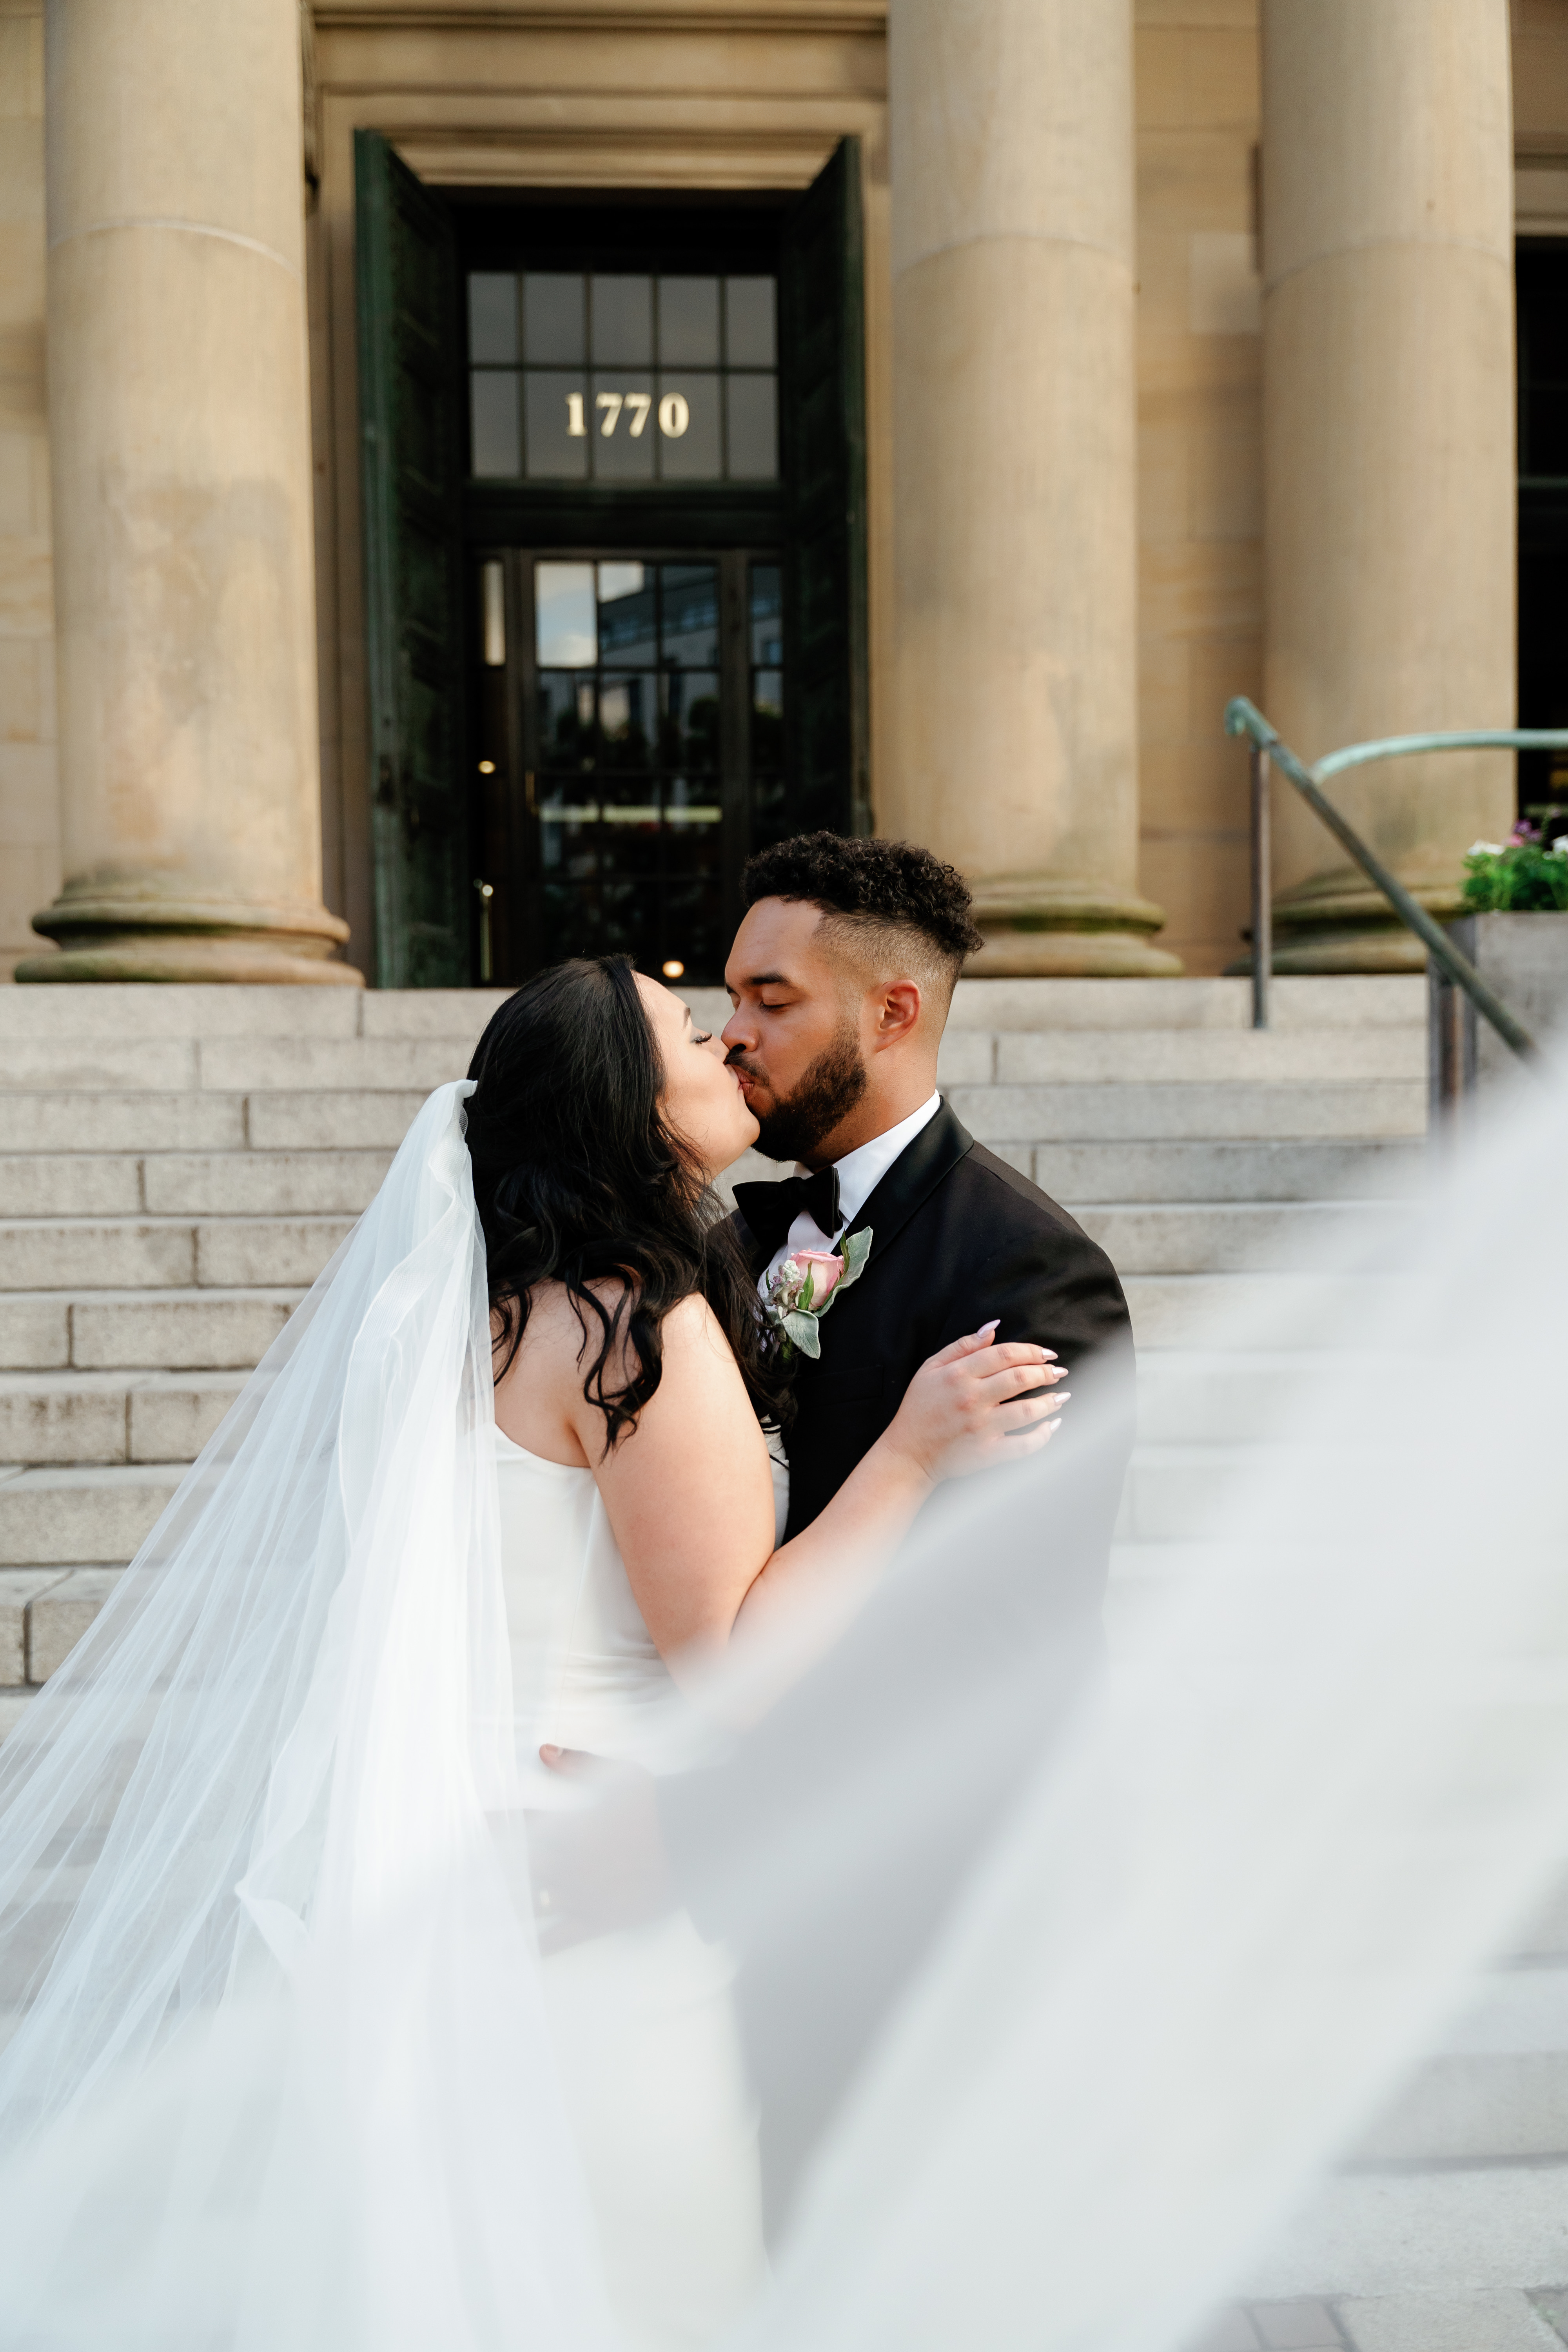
(1243, 718)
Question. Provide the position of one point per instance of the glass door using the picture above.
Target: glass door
(630, 739)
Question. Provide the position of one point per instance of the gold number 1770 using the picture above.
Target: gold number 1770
(638, 404)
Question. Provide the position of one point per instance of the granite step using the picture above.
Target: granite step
(242, 1182)
(81, 1516)
(1209, 1056)
(44, 1613)
(1274, 1312)
(168, 1330)
(1394, 1169)
(1235, 1236)
(263, 1183)
(164, 1252)
(1235, 1111)
(135, 1012)
(114, 1416)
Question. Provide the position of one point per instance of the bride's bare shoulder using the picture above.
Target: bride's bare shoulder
(563, 1331)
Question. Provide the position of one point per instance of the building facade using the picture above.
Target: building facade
(471, 469)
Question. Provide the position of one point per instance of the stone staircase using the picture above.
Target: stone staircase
(176, 1164)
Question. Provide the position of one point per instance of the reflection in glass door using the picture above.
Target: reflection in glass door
(630, 752)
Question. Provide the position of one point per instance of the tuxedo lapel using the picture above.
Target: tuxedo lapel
(912, 1180)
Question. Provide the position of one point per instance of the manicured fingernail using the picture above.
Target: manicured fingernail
(993, 1324)
(1048, 1355)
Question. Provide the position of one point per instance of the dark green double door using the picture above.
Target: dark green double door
(629, 740)
(591, 696)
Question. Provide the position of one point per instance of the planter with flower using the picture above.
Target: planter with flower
(1514, 930)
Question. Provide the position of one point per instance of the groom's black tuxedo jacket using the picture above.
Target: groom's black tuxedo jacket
(957, 1237)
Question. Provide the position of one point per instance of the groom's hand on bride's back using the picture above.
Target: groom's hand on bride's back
(978, 1404)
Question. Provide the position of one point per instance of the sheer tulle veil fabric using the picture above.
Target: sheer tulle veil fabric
(1055, 2013)
(278, 2071)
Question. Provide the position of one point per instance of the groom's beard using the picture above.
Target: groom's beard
(827, 1094)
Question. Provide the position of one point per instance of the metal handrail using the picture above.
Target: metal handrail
(1243, 718)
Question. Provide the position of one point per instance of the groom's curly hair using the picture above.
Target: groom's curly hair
(885, 903)
(579, 1178)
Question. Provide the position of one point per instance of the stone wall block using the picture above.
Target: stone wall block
(59, 1616)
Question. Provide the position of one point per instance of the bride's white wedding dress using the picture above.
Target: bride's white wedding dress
(655, 2089)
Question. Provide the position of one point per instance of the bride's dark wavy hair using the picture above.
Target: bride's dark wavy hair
(579, 1179)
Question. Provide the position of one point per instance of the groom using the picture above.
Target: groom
(841, 975)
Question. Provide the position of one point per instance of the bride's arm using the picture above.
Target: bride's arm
(690, 1496)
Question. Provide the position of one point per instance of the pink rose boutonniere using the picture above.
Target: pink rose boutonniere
(804, 1287)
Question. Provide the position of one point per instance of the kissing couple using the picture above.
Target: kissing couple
(548, 1431)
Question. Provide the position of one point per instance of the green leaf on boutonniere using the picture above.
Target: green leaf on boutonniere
(801, 1331)
(854, 1249)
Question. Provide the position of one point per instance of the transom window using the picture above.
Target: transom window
(623, 377)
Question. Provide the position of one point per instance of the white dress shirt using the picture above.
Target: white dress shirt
(860, 1174)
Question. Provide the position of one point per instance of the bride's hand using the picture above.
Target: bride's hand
(966, 1409)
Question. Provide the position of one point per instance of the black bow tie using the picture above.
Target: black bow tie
(769, 1210)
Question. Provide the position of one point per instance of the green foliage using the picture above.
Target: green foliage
(1518, 876)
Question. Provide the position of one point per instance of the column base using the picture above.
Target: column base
(1040, 928)
(1334, 925)
(159, 928)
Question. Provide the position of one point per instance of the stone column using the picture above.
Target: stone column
(1015, 753)
(179, 427)
(1389, 444)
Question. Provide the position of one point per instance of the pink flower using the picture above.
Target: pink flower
(825, 1269)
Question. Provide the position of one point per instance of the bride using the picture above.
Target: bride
(310, 2039)
(640, 1528)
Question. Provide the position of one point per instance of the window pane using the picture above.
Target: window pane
(749, 335)
(689, 321)
(626, 631)
(754, 427)
(625, 907)
(691, 803)
(692, 924)
(692, 815)
(555, 410)
(688, 428)
(629, 842)
(623, 428)
(566, 726)
(772, 819)
(566, 636)
(622, 313)
(692, 719)
(691, 634)
(628, 710)
(767, 719)
(492, 419)
(767, 612)
(553, 319)
(492, 315)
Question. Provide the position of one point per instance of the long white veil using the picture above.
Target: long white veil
(276, 2071)
(1053, 2015)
